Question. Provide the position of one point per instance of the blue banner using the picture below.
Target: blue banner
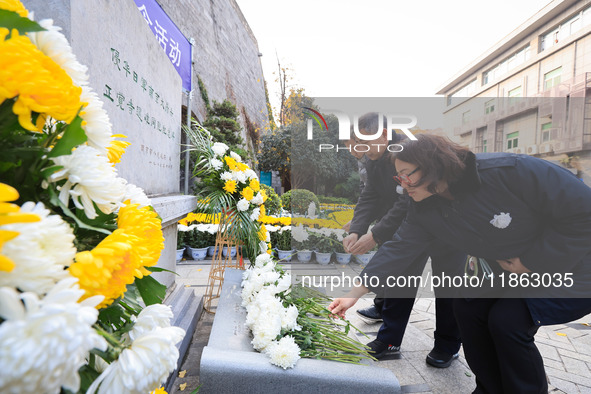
(266, 178)
(175, 44)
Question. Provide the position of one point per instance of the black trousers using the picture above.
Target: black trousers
(396, 311)
(498, 338)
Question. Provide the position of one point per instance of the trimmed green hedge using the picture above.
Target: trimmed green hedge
(273, 203)
(298, 200)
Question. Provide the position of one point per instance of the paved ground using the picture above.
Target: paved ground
(566, 348)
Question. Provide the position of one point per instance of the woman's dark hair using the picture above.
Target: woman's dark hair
(438, 158)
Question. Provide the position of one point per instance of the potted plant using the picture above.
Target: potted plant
(283, 243)
(198, 243)
(211, 234)
(301, 241)
(363, 259)
(323, 246)
(180, 245)
(342, 256)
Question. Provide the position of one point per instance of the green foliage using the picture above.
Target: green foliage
(321, 243)
(337, 245)
(181, 239)
(198, 239)
(275, 152)
(223, 125)
(273, 203)
(281, 240)
(151, 290)
(12, 20)
(204, 94)
(333, 200)
(349, 190)
(298, 200)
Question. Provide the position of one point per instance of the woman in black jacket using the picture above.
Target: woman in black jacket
(527, 224)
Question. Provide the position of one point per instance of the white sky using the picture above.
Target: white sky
(378, 48)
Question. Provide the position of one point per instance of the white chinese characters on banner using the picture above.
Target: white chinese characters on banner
(175, 52)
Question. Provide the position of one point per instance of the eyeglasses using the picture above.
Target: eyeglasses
(405, 177)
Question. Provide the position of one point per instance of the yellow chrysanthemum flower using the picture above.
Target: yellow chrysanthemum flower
(10, 213)
(117, 149)
(255, 185)
(230, 162)
(159, 391)
(262, 209)
(14, 5)
(230, 186)
(122, 256)
(242, 166)
(264, 194)
(262, 233)
(247, 193)
(36, 81)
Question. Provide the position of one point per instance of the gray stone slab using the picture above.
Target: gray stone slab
(230, 365)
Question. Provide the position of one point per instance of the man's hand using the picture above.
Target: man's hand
(349, 241)
(513, 265)
(347, 226)
(340, 305)
(363, 245)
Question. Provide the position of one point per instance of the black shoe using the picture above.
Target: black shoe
(439, 359)
(370, 315)
(379, 349)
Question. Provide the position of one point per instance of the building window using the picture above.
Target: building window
(512, 140)
(489, 106)
(517, 58)
(465, 117)
(514, 94)
(565, 29)
(552, 78)
(467, 90)
(484, 146)
(546, 131)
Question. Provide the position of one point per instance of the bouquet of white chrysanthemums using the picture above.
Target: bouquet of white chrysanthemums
(289, 322)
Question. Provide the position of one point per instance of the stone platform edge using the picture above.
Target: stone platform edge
(229, 364)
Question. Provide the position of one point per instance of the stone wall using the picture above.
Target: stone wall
(225, 56)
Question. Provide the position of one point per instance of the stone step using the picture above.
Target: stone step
(187, 308)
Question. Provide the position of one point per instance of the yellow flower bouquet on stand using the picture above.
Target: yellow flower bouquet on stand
(78, 243)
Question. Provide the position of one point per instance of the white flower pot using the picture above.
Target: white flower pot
(232, 251)
(179, 254)
(323, 258)
(363, 259)
(285, 255)
(304, 256)
(198, 253)
(343, 258)
(212, 251)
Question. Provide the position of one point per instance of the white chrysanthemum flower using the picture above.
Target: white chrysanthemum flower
(263, 258)
(242, 204)
(250, 174)
(216, 164)
(263, 246)
(45, 342)
(289, 320)
(90, 179)
(284, 228)
(283, 284)
(258, 199)
(143, 366)
(236, 157)
(272, 229)
(182, 227)
(213, 228)
(136, 195)
(219, 148)
(285, 353)
(150, 318)
(265, 330)
(41, 251)
(97, 124)
(256, 213)
(226, 176)
(239, 176)
(299, 233)
(55, 45)
(501, 220)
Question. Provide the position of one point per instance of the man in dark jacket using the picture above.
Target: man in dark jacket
(380, 202)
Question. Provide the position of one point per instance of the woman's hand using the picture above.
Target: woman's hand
(340, 305)
(513, 265)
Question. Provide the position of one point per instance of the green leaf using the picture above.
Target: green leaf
(87, 376)
(50, 170)
(56, 201)
(151, 290)
(158, 269)
(72, 137)
(12, 20)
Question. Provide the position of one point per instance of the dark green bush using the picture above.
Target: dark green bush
(273, 203)
(298, 200)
